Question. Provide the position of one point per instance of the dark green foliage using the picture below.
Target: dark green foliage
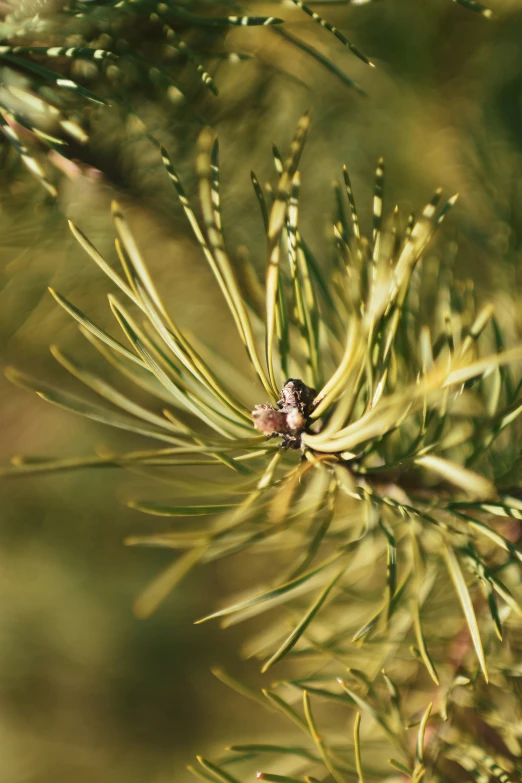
(128, 51)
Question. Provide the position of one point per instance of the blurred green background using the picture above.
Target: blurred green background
(87, 692)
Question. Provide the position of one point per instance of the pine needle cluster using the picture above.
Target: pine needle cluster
(370, 456)
(376, 469)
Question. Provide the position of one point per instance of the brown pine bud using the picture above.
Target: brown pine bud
(269, 421)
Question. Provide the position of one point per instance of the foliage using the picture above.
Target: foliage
(126, 50)
(392, 463)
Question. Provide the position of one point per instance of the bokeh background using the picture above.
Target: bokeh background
(87, 691)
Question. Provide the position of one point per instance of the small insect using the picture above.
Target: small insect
(288, 421)
(297, 395)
